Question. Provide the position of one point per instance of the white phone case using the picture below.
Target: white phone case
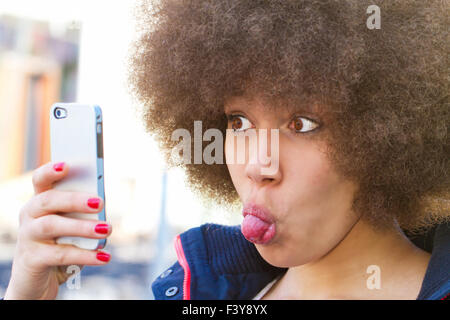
(77, 139)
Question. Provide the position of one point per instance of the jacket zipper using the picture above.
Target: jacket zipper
(187, 272)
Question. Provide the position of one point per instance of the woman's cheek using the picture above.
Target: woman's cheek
(311, 173)
(237, 177)
(235, 166)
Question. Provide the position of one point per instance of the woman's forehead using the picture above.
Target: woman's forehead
(276, 105)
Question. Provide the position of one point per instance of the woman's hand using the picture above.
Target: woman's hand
(39, 264)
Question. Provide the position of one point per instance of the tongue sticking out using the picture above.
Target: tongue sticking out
(256, 230)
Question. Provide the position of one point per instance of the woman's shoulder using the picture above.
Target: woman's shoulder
(214, 262)
(436, 283)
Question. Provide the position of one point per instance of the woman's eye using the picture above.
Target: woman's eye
(239, 123)
(301, 124)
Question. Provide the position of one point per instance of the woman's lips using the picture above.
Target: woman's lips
(258, 226)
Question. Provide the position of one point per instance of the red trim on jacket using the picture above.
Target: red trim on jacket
(187, 272)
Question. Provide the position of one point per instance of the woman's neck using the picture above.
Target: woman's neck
(366, 264)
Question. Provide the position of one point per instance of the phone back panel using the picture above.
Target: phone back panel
(75, 140)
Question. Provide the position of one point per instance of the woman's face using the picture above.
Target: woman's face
(307, 204)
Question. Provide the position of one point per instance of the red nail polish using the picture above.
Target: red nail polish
(58, 166)
(101, 228)
(103, 256)
(93, 203)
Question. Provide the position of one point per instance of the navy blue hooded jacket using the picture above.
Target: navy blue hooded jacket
(217, 262)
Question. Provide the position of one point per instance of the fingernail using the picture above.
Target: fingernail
(58, 166)
(102, 228)
(103, 256)
(93, 203)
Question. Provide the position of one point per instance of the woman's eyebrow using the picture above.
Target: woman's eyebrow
(300, 108)
(312, 109)
(280, 109)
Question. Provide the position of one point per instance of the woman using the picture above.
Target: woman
(361, 151)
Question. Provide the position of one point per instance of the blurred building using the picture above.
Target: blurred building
(36, 69)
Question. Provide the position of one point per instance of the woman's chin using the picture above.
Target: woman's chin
(274, 255)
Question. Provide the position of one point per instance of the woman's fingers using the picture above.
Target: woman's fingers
(50, 255)
(44, 176)
(53, 201)
(38, 259)
(53, 226)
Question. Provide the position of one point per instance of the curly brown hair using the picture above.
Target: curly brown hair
(385, 89)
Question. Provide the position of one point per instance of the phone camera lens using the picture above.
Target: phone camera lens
(59, 113)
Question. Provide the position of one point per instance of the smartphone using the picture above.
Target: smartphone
(76, 137)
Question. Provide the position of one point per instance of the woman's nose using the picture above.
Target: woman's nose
(263, 159)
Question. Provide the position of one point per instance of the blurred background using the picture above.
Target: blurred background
(76, 51)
